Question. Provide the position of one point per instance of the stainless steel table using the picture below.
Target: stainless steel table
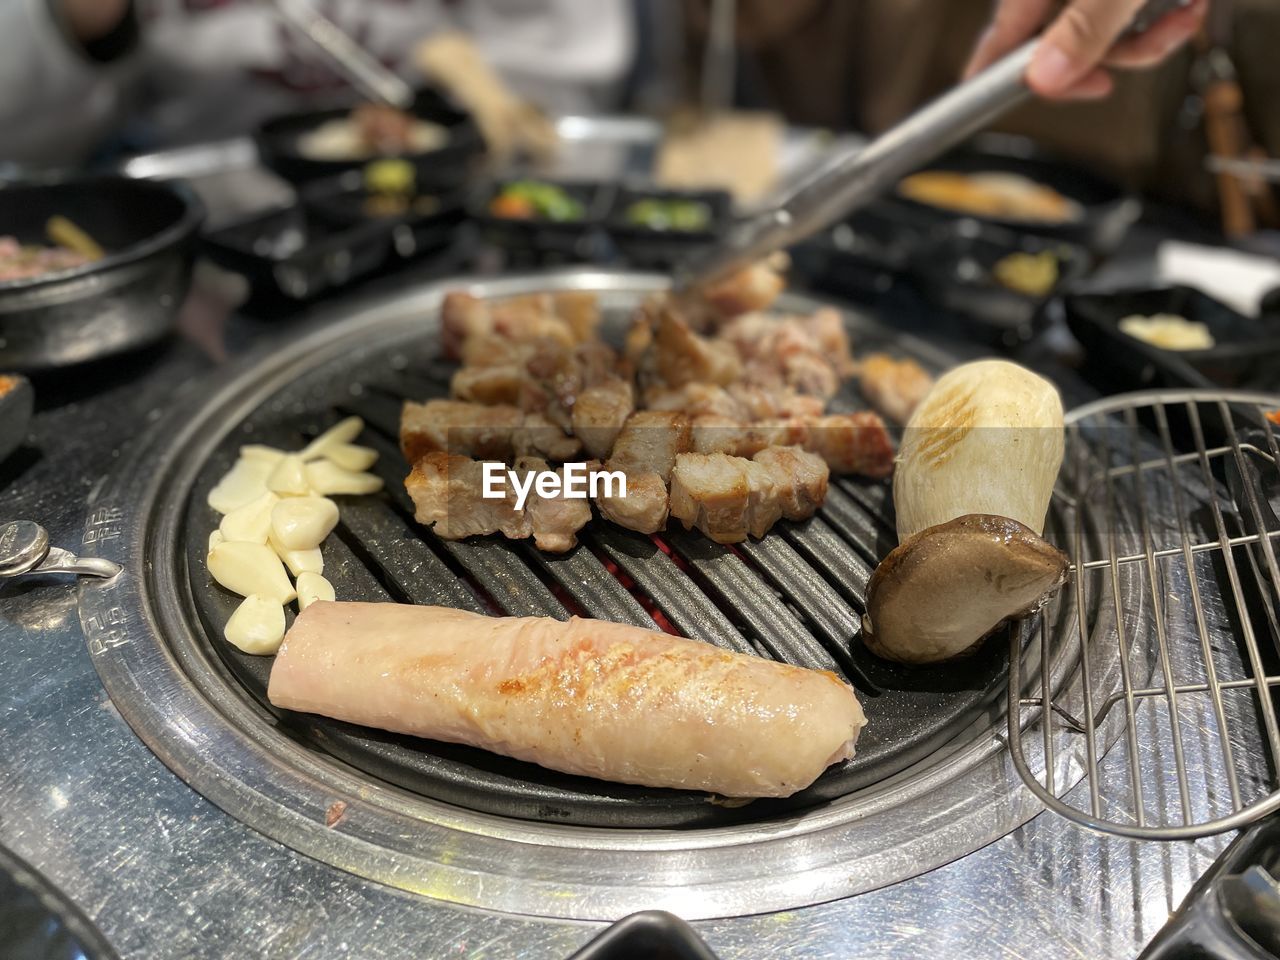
(166, 874)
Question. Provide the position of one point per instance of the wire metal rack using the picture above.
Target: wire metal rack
(1169, 731)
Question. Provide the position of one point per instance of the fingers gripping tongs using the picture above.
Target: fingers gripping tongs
(853, 178)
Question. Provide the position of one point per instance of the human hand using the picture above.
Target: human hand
(1071, 59)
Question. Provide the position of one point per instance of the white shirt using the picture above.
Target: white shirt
(207, 69)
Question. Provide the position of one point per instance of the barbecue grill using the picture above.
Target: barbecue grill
(934, 780)
(931, 781)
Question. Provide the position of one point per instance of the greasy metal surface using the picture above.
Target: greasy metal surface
(166, 874)
(165, 678)
(1202, 470)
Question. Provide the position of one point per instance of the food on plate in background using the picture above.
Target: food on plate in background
(276, 513)
(977, 468)
(72, 247)
(392, 191)
(584, 697)
(1168, 331)
(680, 215)
(536, 200)
(1005, 196)
(738, 152)
(1033, 274)
(371, 130)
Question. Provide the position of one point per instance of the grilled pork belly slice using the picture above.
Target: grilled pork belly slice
(799, 477)
(820, 335)
(498, 432)
(567, 318)
(723, 435)
(893, 387)
(725, 497)
(764, 404)
(645, 452)
(446, 490)
(585, 697)
(753, 288)
(600, 412)
(852, 443)
(848, 442)
(681, 356)
(696, 400)
(555, 521)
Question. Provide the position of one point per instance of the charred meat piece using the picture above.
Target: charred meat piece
(753, 288)
(852, 443)
(893, 387)
(762, 404)
(848, 442)
(727, 498)
(723, 435)
(447, 492)
(567, 318)
(800, 479)
(585, 697)
(600, 412)
(696, 400)
(645, 452)
(476, 430)
(554, 520)
(682, 356)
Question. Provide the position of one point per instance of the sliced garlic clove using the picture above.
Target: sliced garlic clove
(310, 560)
(313, 587)
(258, 451)
(215, 538)
(351, 457)
(252, 522)
(302, 523)
(249, 568)
(257, 626)
(243, 483)
(344, 431)
(289, 477)
(329, 478)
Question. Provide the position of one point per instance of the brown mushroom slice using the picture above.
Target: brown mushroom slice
(944, 589)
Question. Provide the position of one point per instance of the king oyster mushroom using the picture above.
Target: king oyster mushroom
(975, 474)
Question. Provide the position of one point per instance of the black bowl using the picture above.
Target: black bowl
(650, 248)
(1107, 211)
(956, 270)
(651, 935)
(539, 242)
(126, 299)
(278, 144)
(863, 256)
(1246, 351)
(290, 254)
(430, 223)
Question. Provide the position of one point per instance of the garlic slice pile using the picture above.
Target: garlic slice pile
(276, 513)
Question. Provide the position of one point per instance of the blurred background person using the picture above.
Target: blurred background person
(83, 75)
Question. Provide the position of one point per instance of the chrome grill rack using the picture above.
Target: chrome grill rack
(1182, 740)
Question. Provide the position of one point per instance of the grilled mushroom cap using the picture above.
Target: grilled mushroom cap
(947, 587)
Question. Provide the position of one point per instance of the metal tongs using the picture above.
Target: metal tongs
(856, 177)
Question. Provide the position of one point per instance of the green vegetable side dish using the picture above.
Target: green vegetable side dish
(533, 199)
(686, 216)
